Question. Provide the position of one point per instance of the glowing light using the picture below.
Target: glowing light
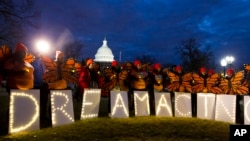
(162, 103)
(119, 104)
(229, 59)
(90, 104)
(43, 46)
(223, 62)
(225, 104)
(13, 103)
(183, 104)
(140, 103)
(62, 106)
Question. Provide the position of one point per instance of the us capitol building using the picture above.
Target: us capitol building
(104, 55)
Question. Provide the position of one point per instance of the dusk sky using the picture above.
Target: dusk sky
(150, 27)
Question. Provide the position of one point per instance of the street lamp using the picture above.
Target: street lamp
(42, 46)
(224, 64)
(229, 60)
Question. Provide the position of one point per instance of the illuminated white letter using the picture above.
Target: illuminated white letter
(24, 110)
(61, 107)
(163, 104)
(119, 104)
(205, 105)
(225, 108)
(91, 102)
(183, 105)
(141, 103)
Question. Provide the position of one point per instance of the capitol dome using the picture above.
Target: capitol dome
(104, 53)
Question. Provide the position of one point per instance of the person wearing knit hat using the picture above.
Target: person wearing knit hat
(20, 51)
(157, 66)
(230, 72)
(89, 61)
(21, 47)
(114, 63)
(124, 76)
(116, 68)
(138, 76)
(157, 77)
(210, 72)
(234, 83)
(19, 72)
(178, 69)
(203, 70)
(84, 77)
(136, 63)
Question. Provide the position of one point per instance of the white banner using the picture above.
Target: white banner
(24, 114)
(183, 106)
(205, 105)
(119, 104)
(163, 106)
(61, 107)
(225, 108)
(90, 103)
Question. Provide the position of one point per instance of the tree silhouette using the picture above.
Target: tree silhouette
(193, 55)
(146, 59)
(73, 49)
(15, 18)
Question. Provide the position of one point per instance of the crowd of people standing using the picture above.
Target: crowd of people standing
(128, 76)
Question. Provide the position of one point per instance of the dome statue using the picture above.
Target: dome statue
(104, 53)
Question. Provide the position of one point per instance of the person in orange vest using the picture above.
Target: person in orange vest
(138, 80)
(138, 77)
(116, 69)
(155, 84)
(124, 74)
(158, 77)
(19, 73)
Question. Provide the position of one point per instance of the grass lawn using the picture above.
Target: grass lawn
(132, 129)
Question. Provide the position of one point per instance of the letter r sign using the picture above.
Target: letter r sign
(239, 132)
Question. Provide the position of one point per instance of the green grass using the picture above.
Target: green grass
(133, 129)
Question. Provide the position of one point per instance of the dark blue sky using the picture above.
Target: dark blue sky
(151, 27)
